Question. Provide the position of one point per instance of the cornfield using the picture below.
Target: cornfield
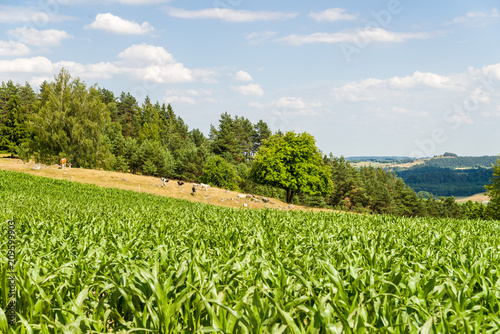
(94, 260)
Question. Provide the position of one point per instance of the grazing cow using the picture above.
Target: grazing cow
(180, 183)
(204, 186)
(63, 163)
(164, 182)
(196, 185)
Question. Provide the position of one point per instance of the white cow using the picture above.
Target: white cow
(204, 186)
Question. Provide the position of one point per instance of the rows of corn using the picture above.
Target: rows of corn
(93, 260)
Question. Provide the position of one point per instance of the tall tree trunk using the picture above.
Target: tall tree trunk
(289, 195)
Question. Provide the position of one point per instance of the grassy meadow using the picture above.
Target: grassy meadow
(96, 260)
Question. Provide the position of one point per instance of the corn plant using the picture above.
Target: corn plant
(94, 260)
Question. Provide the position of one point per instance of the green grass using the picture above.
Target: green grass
(95, 260)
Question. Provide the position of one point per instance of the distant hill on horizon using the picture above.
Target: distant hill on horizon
(375, 158)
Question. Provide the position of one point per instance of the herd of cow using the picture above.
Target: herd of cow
(202, 186)
(164, 181)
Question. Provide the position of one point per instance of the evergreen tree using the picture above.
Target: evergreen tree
(494, 192)
(348, 190)
(128, 114)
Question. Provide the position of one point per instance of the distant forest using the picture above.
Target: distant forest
(445, 181)
(462, 162)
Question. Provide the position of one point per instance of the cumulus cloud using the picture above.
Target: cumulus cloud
(251, 89)
(26, 65)
(41, 38)
(229, 15)
(355, 36)
(155, 64)
(332, 15)
(146, 54)
(12, 48)
(136, 61)
(14, 14)
(115, 24)
(369, 89)
(243, 76)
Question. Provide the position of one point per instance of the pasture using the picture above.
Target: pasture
(96, 260)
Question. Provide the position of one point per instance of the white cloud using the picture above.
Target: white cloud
(121, 2)
(146, 54)
(229, 15)
(352, 36)
(155, 64)
(206, 75)
(102, 70)
(164, 69)
(243, 76)
(186, 96)
(251, 89)
(491, 70)
(34, 15)
(12, 48)
(140, 2)
(332, 15)
(290, 106)
(170, 73)
(255, 38)
(41, 38)
(115, 24)
(480, 17)
(180, 99)
(369, 89)
(26, 65)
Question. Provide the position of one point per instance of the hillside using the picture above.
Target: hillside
(106, 260)
(146, 184)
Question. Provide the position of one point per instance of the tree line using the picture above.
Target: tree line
(93, 128)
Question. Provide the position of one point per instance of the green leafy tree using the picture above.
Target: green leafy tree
(494, 192)
(220, 173)
(292, 162)
(71, 122)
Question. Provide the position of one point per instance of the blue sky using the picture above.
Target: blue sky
(409, 78)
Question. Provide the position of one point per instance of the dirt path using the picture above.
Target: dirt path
(147, 184)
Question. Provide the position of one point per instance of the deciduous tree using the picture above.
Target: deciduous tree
(294, 163)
